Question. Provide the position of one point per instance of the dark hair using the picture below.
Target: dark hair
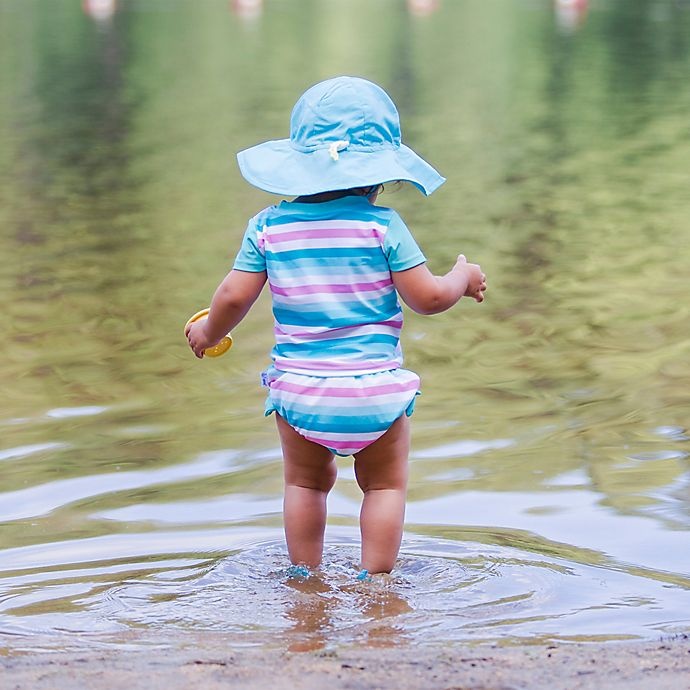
(338, 194)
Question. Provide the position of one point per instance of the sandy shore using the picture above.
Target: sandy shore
(209, 662)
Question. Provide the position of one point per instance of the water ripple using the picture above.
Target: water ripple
(32, 449)
(441, 591)
(44, 498)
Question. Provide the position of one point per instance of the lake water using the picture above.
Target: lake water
(140, 489)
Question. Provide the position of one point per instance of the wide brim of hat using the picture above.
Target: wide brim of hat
(277, 167)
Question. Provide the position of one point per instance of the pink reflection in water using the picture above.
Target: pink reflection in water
(423, 8)
(247, 9)
(100, 10)
(571, 14)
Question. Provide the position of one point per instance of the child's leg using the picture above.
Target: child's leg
(310, 473)
(381, 471)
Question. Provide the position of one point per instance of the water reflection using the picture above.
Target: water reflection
(247, 9)
(140, 490)
(370, 612)
(423, 8)
(100, 10)
(310, 614)
(571, 14)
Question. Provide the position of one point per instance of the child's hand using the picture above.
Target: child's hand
(476, 280)
(197, 339)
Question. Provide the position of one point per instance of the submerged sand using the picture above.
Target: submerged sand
(211, 662)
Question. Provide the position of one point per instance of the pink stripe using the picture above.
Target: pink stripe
(394, 323)
(324, 233)
(349, 446)
(331, 289)
(303, 338)
(345, 392)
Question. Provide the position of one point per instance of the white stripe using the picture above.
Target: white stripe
(382, 379)
(329, 405)
(345, 368)
(288, 329)
(318, 299)
(353, 437)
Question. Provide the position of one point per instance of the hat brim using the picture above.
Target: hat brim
(277, 167)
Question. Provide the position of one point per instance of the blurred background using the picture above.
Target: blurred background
(141, 488)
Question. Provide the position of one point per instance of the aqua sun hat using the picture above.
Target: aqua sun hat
(344, 133)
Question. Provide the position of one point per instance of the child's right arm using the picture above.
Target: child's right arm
(426, 293)
(231, 302)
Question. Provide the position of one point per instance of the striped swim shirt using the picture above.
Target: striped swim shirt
(335, 308)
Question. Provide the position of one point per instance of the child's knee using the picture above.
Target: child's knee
(388, 475)
(316, 477)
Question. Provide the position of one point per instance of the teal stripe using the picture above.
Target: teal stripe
(332, 253)
(352, 314)
(362, 423)
(361, 419)
(326, 267)
(296, 318)
(337, 348)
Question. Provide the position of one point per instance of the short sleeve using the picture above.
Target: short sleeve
(401, 249)
(251, 257)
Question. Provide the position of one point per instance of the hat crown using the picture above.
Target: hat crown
(345, 109)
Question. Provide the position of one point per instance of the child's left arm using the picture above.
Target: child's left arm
(231, 302)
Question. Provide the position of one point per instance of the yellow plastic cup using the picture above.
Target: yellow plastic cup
(220, 348)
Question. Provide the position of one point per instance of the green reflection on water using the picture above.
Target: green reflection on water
(121, 207)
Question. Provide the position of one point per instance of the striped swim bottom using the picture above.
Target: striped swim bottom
(342, 413)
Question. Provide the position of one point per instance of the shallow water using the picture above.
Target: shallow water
(140, 490)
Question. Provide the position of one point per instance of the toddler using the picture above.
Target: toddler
(336, 263)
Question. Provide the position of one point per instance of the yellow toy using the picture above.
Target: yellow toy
(217, 350)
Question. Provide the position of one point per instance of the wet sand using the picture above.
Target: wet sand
(212, 662)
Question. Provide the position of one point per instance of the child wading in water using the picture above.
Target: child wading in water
(335, 264)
